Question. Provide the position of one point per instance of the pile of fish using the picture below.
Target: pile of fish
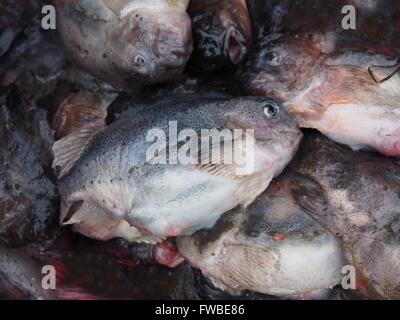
(111, 177)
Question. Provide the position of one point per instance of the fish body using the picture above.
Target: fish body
(222, 32)
(114, 188)
(358, 203)
(28, 196)
(272, 247)
(20, 276)
(331, 90)
(129, 44)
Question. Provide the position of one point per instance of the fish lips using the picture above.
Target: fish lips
(235, 46)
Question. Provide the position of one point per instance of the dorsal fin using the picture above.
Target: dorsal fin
(69, 149)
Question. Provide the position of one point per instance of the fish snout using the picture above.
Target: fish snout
(174, 43)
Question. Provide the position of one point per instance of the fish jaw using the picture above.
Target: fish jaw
(237, 24)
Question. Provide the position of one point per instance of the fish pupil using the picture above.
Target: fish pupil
(270, 110)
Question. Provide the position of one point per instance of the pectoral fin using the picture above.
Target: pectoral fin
(247, 268)
(310, 196)
(70, 148)
(80, 111)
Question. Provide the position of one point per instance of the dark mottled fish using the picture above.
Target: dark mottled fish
(21, 277)
(28, 197)
(222, 32)
(358, 202)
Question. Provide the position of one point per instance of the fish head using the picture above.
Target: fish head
(281, 67)
(151, 46)
(222, 32)
(276, 134)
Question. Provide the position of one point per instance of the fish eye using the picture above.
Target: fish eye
(270, 109)
(139, 61)
(273, 58)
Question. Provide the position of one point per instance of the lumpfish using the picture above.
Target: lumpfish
(28, 196)
(271, 247)
(359, 203)
(331, 91)
(222, 32)
(128, 43)
(137, 179)
(20, 276)
(24, 46)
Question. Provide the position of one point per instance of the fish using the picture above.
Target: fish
(272, 247)
(127, 43)
(359, 204)
(29, 198)
(24, 46)
(119, 181)
(20, 276)
(222, 33)
(329, 88)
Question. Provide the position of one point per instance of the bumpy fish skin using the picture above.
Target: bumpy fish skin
(222, 32)
(128, 43)
(272, 247)
(360, 205)
(330, 90)
(124, 195)
(20, 276)
(28, 196)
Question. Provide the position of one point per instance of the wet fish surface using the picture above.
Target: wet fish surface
(20, 276)
(28, 196)
(272, 247)
(142, 42)
(110, 188)
(222, 33)
(24, 46)
(328, 88)
(358, 203)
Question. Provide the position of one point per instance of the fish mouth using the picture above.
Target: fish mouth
(234, 45)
